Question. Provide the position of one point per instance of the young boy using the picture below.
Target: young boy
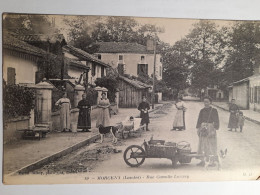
(241, 120)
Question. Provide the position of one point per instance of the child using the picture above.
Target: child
(241, 120)
(128, 123)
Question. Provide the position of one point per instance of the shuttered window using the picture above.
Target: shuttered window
(11, 76)
(142, 69)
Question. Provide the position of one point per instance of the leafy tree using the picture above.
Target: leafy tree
(244, 52)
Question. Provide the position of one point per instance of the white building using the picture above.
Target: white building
(130, 58)
(98, 68)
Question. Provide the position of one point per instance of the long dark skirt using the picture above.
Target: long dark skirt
(145, 118)
(233, 121)
(84, 120)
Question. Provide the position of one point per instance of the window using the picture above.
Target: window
(11, 76)
(160, 59)
(93, 69)
(99, 56)
(102, 71)
(142, 69)
(121, 69)
(142, 57)
(120, 57)
(160, 72)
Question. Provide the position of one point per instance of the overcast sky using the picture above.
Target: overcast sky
(174, 29)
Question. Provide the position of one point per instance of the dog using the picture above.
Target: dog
(110, 129)
(212, 159)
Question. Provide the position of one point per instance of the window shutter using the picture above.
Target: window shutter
(11, 76)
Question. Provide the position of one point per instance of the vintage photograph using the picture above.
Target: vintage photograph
(109, 99)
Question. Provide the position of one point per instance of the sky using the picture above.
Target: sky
(174, 29)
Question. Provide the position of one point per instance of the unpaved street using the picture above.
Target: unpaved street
(242, 160)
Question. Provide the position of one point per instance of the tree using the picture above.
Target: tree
(244, 53)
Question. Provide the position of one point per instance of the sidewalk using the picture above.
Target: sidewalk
(250, 115)
(24, 152)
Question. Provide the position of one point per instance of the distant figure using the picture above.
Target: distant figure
(84, 120)
(144, 107)
(179, 120)
(103, 116)
(233, 118)
(241, 120)
(65, 106)
(207, 124)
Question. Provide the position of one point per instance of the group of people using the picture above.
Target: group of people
(84, 118)
(207, 124)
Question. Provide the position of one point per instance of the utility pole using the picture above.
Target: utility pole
(154, 69)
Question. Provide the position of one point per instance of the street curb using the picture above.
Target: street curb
(247, 118)
(46, 160)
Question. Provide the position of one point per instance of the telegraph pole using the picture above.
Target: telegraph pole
(154, 69)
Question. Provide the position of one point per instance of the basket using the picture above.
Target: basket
(183, 152)
(161, 151)
(156, 142)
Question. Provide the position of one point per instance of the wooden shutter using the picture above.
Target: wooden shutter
(11, 76)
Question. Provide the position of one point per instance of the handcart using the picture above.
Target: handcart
(132, 131)
(135, 155)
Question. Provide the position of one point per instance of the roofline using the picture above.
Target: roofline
(92, 59)
(123, 78)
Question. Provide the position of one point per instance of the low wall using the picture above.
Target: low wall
(11, 127)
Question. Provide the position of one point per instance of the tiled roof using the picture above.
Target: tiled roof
(135, 83)
(12, 43)
(52, 38)
(121, 47)
(76, 63)
(84, 55)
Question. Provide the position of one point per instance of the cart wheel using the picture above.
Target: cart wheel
(133, 161)
(174, 162)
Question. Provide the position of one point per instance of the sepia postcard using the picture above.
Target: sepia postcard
(109, 99)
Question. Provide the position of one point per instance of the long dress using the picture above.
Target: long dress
(208, 144)
(65, 107)
(233, 120)
(144, 107)
(84, 120)
(103, 116)
(179, 120)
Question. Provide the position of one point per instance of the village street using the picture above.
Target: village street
(243, 153)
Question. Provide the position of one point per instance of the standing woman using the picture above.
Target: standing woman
(65, 106)
(207, 124)
(233, 119)
(103, 116)
(179, 120)
(84, 120)
(144, 107)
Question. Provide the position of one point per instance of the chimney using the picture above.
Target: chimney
(150, 45)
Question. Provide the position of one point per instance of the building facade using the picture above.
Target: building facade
(130, 58)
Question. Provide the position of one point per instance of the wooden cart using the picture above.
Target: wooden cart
(135, 155)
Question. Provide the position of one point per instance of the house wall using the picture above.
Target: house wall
(131, 60)
(24, 69)
(92, 78)
(254, 96)
(240, 94)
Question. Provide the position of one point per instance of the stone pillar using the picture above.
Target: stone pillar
(44, 103)
(99, 90)
(31, 120)
(78, 92)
